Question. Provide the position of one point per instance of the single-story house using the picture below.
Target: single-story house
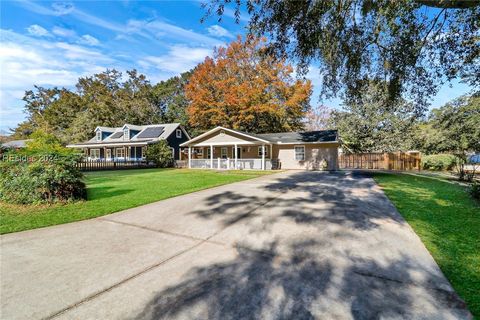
(129, 142)
(223, 148)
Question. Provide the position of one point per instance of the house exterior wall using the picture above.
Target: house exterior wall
(314, 153)
(175, 142)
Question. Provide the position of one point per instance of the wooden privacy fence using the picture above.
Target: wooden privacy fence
(94, 165)
(380, 161)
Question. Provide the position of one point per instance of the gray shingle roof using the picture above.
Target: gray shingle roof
(301, 137)
(116, 134)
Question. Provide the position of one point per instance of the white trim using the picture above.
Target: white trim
(222, 128)
(295, 153)
(178, 133)
(127, 136)
(245, 143)
(306, 142)
(99, 138)
(116, 145)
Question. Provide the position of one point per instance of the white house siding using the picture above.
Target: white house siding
(314, 153)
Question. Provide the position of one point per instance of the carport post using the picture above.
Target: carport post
(236, 156)
(263, 157)
(211, 156)
(189, 157)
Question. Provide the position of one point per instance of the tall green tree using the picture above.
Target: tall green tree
(372, 123)
(412, 45)
(169, 96)
(103, 99)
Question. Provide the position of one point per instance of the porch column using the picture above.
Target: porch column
(211, 156)
(263, 157)
(189, 157)
(236, 156)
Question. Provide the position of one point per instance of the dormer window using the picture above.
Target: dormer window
(179, 133)
(126, 134)
(99, 135)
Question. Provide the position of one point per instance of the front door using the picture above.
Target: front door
(108, 155)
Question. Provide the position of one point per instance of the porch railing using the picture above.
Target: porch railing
(112, 164)
(229, 164)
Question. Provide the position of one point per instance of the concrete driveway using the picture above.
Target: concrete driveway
(291, 245)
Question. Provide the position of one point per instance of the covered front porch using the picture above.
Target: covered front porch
(115, 153)
(230, 157)
(228, 149)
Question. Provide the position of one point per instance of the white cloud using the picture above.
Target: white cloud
(161, 29)
(89, 40)
(62, 8)
(38, 31)
(218, 31)
(63, 32)
(26, 61)
(178, 59)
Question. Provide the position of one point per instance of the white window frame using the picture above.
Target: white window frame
(99, 135)
(222, 154)
(126, 134)
(295, 153)
(122, 151)
(209, 155)
(94, 157)
(199, 152)
(178, 133)
(259, 153)
(143, 152)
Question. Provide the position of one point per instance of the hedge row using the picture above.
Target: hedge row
(438, 162)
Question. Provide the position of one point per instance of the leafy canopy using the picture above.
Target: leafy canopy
(374, 124)
(411, 45)
(103, 99)
(242, 87)
(160, 153)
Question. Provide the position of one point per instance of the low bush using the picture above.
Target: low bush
(438, 162)
(40, 178)
(475, 190)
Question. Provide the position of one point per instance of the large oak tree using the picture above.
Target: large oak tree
(245, 88)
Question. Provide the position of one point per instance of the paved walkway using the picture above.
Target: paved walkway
(292, 245)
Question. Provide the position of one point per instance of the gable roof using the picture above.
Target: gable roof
(219, 128)
(320, 136)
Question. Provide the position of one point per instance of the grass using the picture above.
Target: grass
(111, 191)
(447, 220)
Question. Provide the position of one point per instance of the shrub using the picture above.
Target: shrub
(475, 190)
(160, 153)
(438, 162)
(40, 178)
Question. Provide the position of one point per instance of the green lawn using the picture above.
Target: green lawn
(447, 220)
(111, 191)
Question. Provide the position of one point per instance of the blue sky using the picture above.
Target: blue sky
(53, 43)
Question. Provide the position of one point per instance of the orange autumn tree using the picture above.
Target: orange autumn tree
(244, 88)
